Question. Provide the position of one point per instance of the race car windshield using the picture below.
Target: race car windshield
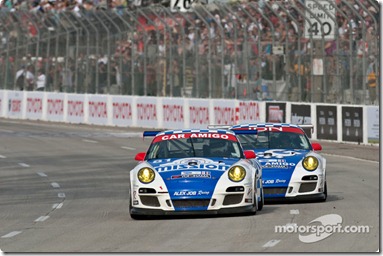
(274, 140)
(194, 147)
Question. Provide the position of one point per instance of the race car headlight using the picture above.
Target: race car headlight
(237, 173)
(146, 175)
(310, 163)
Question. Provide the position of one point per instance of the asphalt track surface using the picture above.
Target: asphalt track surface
(64, 188)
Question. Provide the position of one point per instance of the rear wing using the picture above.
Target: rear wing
(150, 133)
(237, 132)
(218, 126)
(306, 127)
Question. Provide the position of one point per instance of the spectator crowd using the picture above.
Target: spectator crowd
(217, 50)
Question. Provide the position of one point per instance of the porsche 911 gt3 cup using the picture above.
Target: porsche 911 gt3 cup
(292, 168)
(195, 172)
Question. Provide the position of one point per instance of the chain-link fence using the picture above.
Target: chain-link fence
(256, 50)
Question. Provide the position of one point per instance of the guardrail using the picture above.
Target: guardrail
(334, 122)
(320, 51)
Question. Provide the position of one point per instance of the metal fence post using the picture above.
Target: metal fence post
(322, 81)
(183, 44)
(124, 89)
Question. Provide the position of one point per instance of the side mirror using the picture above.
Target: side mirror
(316, 146)
(140, 156)
(249, 154)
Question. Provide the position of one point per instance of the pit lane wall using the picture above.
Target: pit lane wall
(333, 122)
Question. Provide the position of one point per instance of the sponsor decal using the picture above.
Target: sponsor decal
(191, 193)
(249, 191)
(275, 163)
(277, 181)
(195, 135)
(278, 164)
(277, 153)
(186, 166)
(192, 174)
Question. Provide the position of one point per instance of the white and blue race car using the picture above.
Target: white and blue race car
(195, 172)
(292, 168)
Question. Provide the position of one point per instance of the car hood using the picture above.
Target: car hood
(191, 178)
(278, 165)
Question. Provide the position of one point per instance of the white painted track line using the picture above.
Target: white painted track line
(271, 243)
(41, 218)
(12, 234)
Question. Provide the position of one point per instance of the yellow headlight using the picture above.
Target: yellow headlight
(237, 173)
(146, 175)
(310, 163)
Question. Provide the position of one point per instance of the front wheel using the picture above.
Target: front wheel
(324, 193)
(132, 215)
(262, 202)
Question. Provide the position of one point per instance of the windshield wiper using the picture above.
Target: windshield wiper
(192, 145)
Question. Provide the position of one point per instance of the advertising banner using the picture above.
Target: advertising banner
(301, 114)
(98, 109)
(249, 112)
(147, 112)
(373, 124)
(275, 112)
(352, 124)
(2, 98)
(173, 113)
(55, 107)
(327, 122)
(76, 108)
(34, 108)
(122, 110)
(225, 112)
(15, 104)
(199, 117)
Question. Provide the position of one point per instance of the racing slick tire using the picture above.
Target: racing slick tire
(132, 215)
(262, 202)
(324, 192)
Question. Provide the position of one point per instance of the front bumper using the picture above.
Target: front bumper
(297, 191)
(298, 198)
(222, 211)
